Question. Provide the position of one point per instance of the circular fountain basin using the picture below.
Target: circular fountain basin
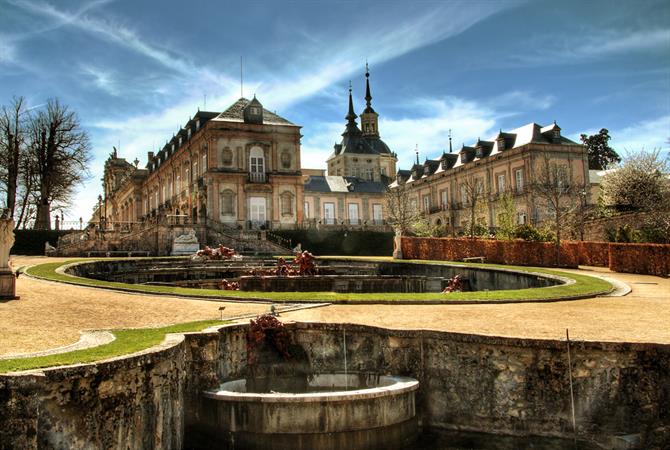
(324, 411)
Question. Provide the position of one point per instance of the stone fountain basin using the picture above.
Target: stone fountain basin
(332, 410)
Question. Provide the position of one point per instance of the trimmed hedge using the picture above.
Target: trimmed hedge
(592, 253)
(515, 252)
(341, 242)
(651, 259)
(31, 242)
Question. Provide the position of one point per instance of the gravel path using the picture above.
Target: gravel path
(50, 315)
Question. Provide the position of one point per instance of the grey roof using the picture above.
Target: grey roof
(235, 113)
(337, 184)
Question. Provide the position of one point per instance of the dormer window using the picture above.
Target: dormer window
(197, 125)
(255, 111)
(189, 133)
(180, 141)
(172, 148)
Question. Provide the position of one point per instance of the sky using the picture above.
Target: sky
(136, 71)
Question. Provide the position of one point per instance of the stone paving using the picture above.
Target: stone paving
(53, 314)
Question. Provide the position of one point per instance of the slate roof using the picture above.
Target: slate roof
(235, 113)
(335, 184)
(531, 133)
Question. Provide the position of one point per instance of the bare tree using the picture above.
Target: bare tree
(61, 151)
(401, 214)
(472, 195)
(12, 141)
(558, 193)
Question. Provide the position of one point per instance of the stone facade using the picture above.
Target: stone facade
(239, 168)
(509, 163)
(467, 382)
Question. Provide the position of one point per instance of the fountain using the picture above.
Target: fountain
(281, 404)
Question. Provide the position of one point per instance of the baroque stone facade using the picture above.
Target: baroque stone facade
(239, 168)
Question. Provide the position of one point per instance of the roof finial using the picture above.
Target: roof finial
(416, 150)
(368, 96)
(450, 149)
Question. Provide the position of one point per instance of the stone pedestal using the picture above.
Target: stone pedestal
(7, 285)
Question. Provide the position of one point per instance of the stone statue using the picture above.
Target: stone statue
(185, 244)
(188, 238)
(6, 241)
(397, 244)
(7, 278)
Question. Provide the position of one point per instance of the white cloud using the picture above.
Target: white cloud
(648, 135)
(7, 50)
(101, 78)
(576, 48)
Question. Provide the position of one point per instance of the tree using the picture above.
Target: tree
(639, 184)
(601, 155)
(506, 225)
(12, 140)
(401, 214)
(61, 153)
(472, 195)
(557, 191)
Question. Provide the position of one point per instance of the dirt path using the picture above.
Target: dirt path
(52, 314)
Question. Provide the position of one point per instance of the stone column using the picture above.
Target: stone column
(7, 278)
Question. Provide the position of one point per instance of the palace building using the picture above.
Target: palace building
(508, 163)
(240, 169)
(228, 172)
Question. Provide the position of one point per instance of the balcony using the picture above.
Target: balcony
(257, 177)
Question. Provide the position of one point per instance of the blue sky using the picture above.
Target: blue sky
(135, 71)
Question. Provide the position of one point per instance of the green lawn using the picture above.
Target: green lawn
(127, 341)
(584, 286)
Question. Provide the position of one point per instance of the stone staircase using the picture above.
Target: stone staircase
(247, 242)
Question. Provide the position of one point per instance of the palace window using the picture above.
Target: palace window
(286, 204)
(444, 197)
(227, 203)
(501, 183)
(306, 210)
(518, 176)
(426, 204)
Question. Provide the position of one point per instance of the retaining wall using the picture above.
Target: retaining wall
(467, 382)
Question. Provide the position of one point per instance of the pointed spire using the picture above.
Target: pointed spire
(368, 96)
(416, 150)
(351, 115)
(450, 149)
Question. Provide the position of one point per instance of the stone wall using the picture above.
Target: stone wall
(467, 382)
(126, 403)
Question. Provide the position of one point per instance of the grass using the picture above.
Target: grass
(584, 286)
(127, 341)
